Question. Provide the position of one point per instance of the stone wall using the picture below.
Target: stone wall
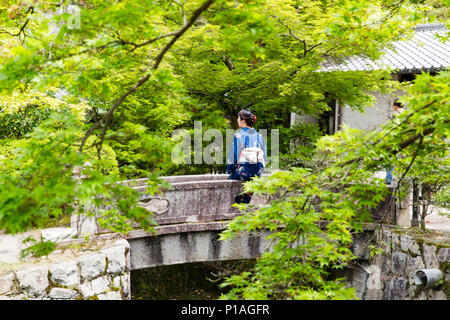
(102, 275)
(389, 275)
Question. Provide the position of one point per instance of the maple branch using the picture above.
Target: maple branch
(106, 119)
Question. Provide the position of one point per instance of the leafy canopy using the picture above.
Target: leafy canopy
(148, 67)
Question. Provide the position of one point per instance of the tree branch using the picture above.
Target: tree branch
(106, 119)
(22, 29)
(305, 49)
(228, 62)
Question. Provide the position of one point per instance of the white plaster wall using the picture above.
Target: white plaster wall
(373, 116)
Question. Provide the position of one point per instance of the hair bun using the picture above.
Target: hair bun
(248, 116)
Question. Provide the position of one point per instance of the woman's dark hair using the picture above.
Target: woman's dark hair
(397, 103)
(248, 116)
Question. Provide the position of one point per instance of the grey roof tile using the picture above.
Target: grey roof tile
(423, 51)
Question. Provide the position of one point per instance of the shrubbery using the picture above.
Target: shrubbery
(22, 113)
(17, 124)
(297, 145)
(10, 149)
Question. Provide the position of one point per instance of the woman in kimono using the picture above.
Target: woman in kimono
(247, 155)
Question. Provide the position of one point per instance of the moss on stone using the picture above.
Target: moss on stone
(434, 238)
(446, 289)
(417, 291)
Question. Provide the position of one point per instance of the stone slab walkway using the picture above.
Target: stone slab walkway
(12, 245)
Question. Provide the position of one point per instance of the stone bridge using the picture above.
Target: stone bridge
(190, 217)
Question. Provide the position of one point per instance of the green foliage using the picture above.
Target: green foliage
(106, 162)
(139, 152)
(262, 54)
(284, 78)
(375, 250)
(20, 113)
(297, 146)
(38, 249)
(7, 155)
(259, 54)
(340, 190)
(17, 125)
(44, 186)
(11, 150)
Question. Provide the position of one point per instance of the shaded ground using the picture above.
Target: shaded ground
(11, 246)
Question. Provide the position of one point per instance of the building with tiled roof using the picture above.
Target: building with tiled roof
(423, 51)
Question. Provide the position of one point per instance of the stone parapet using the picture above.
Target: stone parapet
(103, 275)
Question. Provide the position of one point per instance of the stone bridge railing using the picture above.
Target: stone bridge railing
(198, 200)
(194, 198)
(191, 199)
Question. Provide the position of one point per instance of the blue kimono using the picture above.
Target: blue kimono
(246, 141)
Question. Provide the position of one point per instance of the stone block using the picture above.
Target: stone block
(65, 273)
(100, 285)
(443, 255)
(398, 262)
(85, 225)
(117, 262)
(61, 293)
(34, 281)
(173, 250)
(116, 282)
(383, 241)
(92, 265)
(373, 294)
(360, 246)
(436, 295)
(234, 248)
(200, 247)
(122, 242)
(58, 234)
(360, 282)
(404, 217)
(374, 283)
(96, 286)
(397, 289)
(412, 265)
(126, 287)
(266, 244)
(408, 244)
(395, 242)
(6, 283)
(429, 256)
(110, 295)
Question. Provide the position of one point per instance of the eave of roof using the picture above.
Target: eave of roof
(423, 52)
